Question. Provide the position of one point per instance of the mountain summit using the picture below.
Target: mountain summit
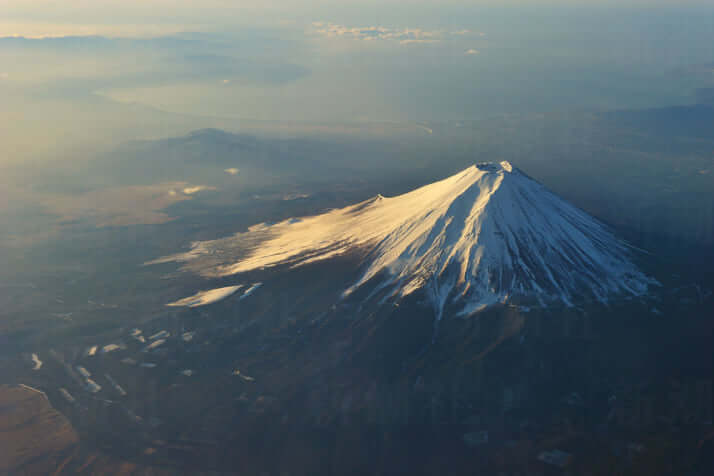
(486, 235)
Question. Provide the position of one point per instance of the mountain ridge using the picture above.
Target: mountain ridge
(483, 236)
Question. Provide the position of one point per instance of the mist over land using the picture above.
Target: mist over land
(126, 140)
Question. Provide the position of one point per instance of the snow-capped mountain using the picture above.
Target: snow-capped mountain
(485, 235)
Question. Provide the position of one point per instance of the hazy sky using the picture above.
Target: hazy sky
(81, 73)
(80, 77)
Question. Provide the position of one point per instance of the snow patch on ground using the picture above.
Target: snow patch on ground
(37, 362)
(202, 298)
(250, 290)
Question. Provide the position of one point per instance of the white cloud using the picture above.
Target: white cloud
(404, 36)
(417, 42)
(371, 33)
(196, 189)
(471, 52)
(232, 171)
(468, 32)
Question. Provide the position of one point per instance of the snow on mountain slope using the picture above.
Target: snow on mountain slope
(482, 236)
(210, 296)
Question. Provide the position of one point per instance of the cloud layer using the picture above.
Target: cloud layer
(403, 36)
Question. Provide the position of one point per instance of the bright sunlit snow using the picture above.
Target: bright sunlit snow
(37, 362)
(250, 290)
(202, 298)
(479, 237)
